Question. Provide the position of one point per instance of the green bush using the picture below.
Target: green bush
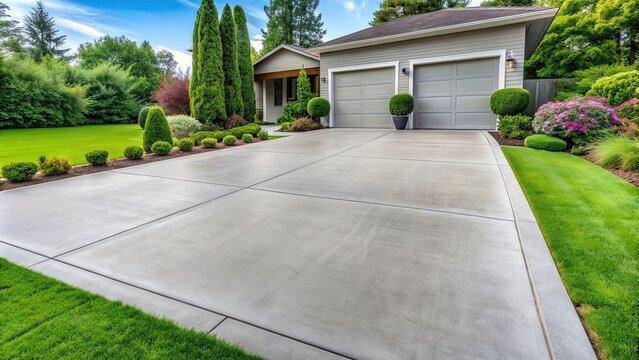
(229, 140)
(54, 165)
(161, 148)
(133, 152)
(144, 112)
(220, 134)
(617, 88)
(318, 107)
(303, 91)
(247, 138)
(629, 110)
(263, 135)
(304, 124)
(185, 144)
(235, 121)
(252, 129)
(618, 152)
(291, 111)
(232, 80)
(401, 104)
(545, 142)
(509, 101)
(515, 126)
(97, 157)
(156, 128)
(588, 76)
(20, 171)
(209, 143)
(183, 126)
(175, 142)
(286, 126)
(198, 136)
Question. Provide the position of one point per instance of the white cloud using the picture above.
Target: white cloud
(188, 3)
(257, 45)
(79, 27)
(349, 5)
(255, 13)
(183, 59)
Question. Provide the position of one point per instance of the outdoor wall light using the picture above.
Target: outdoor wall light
(510, 59)
(405, 71)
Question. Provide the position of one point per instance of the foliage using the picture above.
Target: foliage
(318, 107)
(144, 112)
(54, 165)
(390, 10)
(167, 63)
(508, 2)
(401, 104)
(292, 22)
(185, 144)
(229, 140)
(574, 118)
(209, 142)
(286, 126)
(174, 141)
(183, 126)
(20, 171)
(133, 152)
(173, 95)
(304, 124)
(41, 36)
(263, 135)
(234, 121)
(626, 127)
(304, 93)
(545, 142)
(247, 138)
(198, 136)
(291, 111)
(11, 39)
(220, 134)
(617, 152)
(588, 76)
(515, 126)
(629, 109)
(509, 101)
(252, 129)
(97, 157)
(284, 118)
(245, 63)
(232, 81)
(161, 148)
(617, 88)
(156, 129)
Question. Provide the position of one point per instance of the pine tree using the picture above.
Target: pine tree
(292, 22)
(232, 81)
(245, 64)
(393, 9)
(10, 34)
(195, 70)
(41, 36)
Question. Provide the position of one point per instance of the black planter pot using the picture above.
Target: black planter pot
(400, 122)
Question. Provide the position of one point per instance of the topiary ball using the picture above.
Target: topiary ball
(247, 138)
(133, 152)
(509, 101)
(210, 143)
(20, 171)
(156, 129)
(229, 140)
(185, 144)
(318, 107)
(161, 148)
(401, 104)
(144, 112)
(545, 142)
(97, 157)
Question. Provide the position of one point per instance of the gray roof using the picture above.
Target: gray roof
(433, 20)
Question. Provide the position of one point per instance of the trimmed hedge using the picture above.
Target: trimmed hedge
(509, 101)
(229, 140)
(161, 148)
(133, 152)
(156, 128)
(19, 171)
(54, 165)
(263, 135)
(198, 136)
(144, 112)
(401, 104)
(185, 144)
(247, 138)
(209, 143)
(617, 88)
(318, 107)
(97, 157)
(252, 129)
(515, 126)
(545, 142)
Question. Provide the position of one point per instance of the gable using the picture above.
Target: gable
(284, 60)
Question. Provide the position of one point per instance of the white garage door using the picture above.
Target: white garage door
(361, 98)
(455, 95)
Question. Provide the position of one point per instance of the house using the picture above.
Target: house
(450, 60)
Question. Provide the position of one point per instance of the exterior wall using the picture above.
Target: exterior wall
(284, 60)
(259, 94)
(272, 112)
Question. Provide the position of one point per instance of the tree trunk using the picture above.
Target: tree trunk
(632, 53)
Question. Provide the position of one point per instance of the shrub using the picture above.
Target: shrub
(54, 165)
(144, 112)
(545, 142)
(229, 140)
(263, 135)
(401, 105)
(509, 101)
(20, 171)
(173, 95)
(626, 127)
(175, 142)
(183, 125)
(292, 110)
(234, 121)
(133, 152)
(209, 142)
(304, 124)
(198, 136)
(515, 126)
(97, 157)
(588, 76)
(156, 128)
(303, 90)
(617, 88)
(318, 107)
(161, 148)
(252, 129)
(219, 135)
(629, 110)
(185, 144)
(247, 138)
(286, 126)
(210, 127)
(284, 118)
(618, 152)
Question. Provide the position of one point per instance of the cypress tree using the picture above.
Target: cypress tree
(304, 93)
(245, 65)
(156, 128)
(195, 70)
(232, 82)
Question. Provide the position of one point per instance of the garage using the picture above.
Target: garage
(455, 95)
(361, 98)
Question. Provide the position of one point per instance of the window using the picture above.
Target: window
(313, 80)
(277, 92)
(291, 89)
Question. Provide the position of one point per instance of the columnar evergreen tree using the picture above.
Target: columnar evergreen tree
(245, 65)
(304, 93)
(41, 36)
(232, 82)
(194, 65)
(292, 22)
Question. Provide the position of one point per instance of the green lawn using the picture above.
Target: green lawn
(46, 319)
(590, 219)
(71, 142)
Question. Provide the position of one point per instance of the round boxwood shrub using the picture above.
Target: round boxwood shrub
(247, 138)
(97, 157)
(263, 135)
(617, 88)
(515, 126)
(220, 134)
(318, 107)
(161, 148)
(509, 101)
(185, 144)
(209, 142)
(229, 140)
(54, 165)
(401, 104)
(252, 129)
(133, 152)
(19, 171)
(545, 142)
(144, 112)
(198, 136)
(156, 128)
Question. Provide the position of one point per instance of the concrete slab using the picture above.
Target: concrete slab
(19, 256)
(453, 187)
(438, 136)
(522, 210)
(366, 281)
(56, 217)
(380, 148)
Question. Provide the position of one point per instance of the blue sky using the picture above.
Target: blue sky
(168, 24)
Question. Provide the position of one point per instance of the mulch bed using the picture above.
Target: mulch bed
(113, 165)
(504, 141)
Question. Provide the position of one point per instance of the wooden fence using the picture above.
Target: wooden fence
(542, 91)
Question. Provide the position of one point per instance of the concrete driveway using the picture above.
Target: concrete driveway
(366, 244)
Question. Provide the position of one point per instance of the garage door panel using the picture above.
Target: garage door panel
(487, 66)
(435, 103)
(377, 120)
(433, 120)
(476, 84)
(378, 76)
(348, 107)
(353, 120)
(473, 119)
(347, 93)
(436, 87)
(376, 106)
(474, 102)
(437, 70)
(361, 98)
(346, 79)
(383, 91)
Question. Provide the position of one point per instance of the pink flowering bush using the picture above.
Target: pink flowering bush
(576, 118)
(629, 110)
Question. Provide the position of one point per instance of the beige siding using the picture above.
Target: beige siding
(259, 94)
(511, 38)
(272, 112)
(284, 60)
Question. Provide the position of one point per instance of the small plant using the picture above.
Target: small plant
(247, 138)
(627, 127)
(401, 105)
(263, 135)
(629, 110)
(618, 152)
(220, 134)
(55, 165)
(229, 140)
(175, 142)
(185, 144)
(545, 142)
(318, 107)
(210, 143)
(183, 126)
(252, 129)
(234, 121)
(509, 101)
(198, 136)
(617, 88)
(515, 126)
(284, 118)
(144, 112)
(156, 128)
(161, 148)
(304, 124)
(97, 157)
(285, 126)
(133, 152)
(19, 171)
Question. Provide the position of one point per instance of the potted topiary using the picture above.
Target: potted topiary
(400, 106)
